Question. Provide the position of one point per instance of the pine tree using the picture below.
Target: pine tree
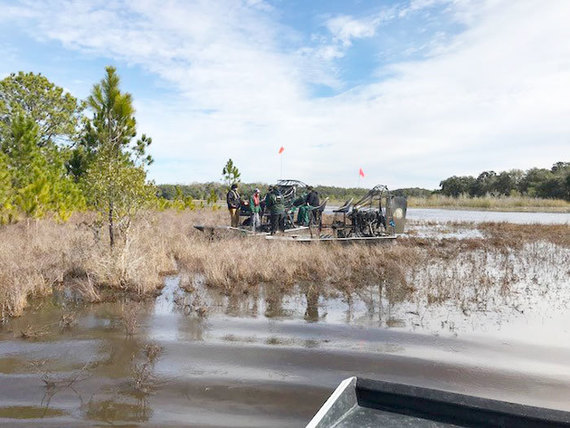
(230, 173)
(38, 180)
(115, 181)
(6, 192)
(50, 107)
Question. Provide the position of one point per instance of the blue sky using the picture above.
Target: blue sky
(411, 91)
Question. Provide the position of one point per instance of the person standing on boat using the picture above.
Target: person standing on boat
(233, 199)
(255, 207)
(274, 202)
(313, 202)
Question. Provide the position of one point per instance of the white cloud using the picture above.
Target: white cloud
(495, 96)
(419, 5)
(346, 28)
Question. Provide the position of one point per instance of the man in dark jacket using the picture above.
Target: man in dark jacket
(313, 201)
(233, 200)
(274, 202)
(313, 198)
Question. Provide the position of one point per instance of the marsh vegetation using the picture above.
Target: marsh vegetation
(38, 258)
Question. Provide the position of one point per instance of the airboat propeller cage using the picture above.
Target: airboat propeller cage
(395, 207)
(290, 190)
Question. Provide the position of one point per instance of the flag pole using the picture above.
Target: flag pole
(280, 153)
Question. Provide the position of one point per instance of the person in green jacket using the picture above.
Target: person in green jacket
(255, 208)
(274, 202)
(303, 217)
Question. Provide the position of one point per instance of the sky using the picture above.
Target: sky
(410, 91)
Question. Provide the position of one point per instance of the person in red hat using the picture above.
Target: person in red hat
(255, 208)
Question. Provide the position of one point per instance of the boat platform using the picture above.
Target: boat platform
(328, 238)
(359, 402)
(241, 230)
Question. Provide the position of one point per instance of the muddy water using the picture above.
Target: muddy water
(268, 358)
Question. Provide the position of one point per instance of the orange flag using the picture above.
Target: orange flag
(361, 173)
(281, 150)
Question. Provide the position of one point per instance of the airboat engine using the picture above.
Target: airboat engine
(368, 221)
(376, 214)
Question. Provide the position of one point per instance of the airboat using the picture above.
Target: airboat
(377, 216)
(359, 402)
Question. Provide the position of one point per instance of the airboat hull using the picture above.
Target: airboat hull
(359, 402)
(332, 239)
(245, 231)
(211, 230)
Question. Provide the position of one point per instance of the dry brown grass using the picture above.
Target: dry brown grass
(513, 235)
(491, 203)
(35, 257)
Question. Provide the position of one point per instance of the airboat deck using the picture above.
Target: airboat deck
(212, 229)
(242, 230)
(328, 238)
(290, 236)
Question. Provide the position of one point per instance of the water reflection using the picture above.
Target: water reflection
(312, 299)
(274, 303)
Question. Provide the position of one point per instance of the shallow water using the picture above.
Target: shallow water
(270, 358)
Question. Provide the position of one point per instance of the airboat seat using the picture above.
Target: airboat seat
(345, 207)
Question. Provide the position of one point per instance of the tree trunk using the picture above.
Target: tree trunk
(111, 226)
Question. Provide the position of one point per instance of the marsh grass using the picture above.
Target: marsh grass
(493, 203)
(35, 258)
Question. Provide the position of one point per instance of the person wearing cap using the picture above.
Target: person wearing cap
(233, 199)
(255, 208)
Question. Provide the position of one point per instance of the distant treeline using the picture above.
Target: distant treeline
(213, 190)
(553, 183)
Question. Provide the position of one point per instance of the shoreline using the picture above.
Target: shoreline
(538, 210)
(529, 209)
